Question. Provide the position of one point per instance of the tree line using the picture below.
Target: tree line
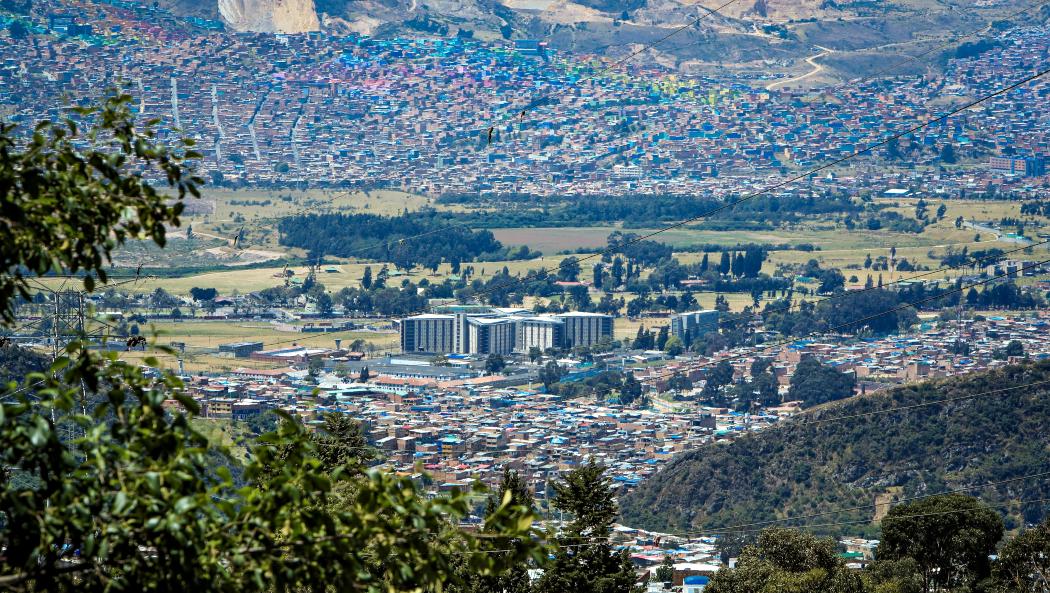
(940, 543)
(649, 211)
(394, 238)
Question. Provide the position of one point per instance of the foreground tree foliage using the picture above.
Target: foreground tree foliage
(64, 196)
(133, 504)
(788, 561)
(107, 486)
(584, 560)
(942, 543)
(949, 537)
(1024, 562)
(515, 577)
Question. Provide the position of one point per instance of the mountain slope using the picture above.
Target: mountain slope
(799, 469)
(270, 16)
(753, 34)
(17, 362)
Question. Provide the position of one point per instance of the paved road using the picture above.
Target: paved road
(998, 235)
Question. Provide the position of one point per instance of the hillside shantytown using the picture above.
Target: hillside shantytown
(361, 112)
(416, 307)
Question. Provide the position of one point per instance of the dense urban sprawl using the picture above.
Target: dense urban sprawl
(454, 116)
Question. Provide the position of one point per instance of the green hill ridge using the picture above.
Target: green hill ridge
(803, 467)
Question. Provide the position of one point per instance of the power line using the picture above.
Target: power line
(852, 293)
(910, 515)
(810, 422)
(800, 527)
(870, 317)
(741, 527)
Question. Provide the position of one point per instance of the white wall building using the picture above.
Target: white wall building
(501, 331)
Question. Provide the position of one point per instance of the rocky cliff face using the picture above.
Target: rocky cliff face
(270, 16)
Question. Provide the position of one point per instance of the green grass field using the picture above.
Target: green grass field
(203, 337)
(254, 204)
(838, 247)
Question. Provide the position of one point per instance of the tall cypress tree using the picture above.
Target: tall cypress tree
(585, 561)
(738, 264)
(516, 579)
(617, 272)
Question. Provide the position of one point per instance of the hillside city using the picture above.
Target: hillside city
(768, 400)
(416, 113)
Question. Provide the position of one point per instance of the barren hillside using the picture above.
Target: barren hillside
(756, 35)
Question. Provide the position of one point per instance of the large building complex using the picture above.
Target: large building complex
(501, 331)
(1034, 166)
(694, 324)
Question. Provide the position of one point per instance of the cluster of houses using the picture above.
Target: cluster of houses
(460, 422)
(934, 351)
(452, 116)
(460, 426)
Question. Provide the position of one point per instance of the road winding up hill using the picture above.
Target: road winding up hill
(813, 464)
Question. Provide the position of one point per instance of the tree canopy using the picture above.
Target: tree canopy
(815, 383)
(584, 561)
(950, 538)
(108, 487)
(65, 194)
(788, 560)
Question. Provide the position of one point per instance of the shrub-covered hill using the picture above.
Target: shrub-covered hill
(812, 465)
(16, 362)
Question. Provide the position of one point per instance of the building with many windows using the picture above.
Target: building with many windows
(501, 331)
(539, 331)
(1033, 166)
(488, 335)
(694, 324)
(428, 333)
(584, 329)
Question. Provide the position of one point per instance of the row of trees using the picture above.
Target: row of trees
(649, 211)
(879, 310)
(940, 543)
(626, 388)
(813, 383)
(394, 239)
